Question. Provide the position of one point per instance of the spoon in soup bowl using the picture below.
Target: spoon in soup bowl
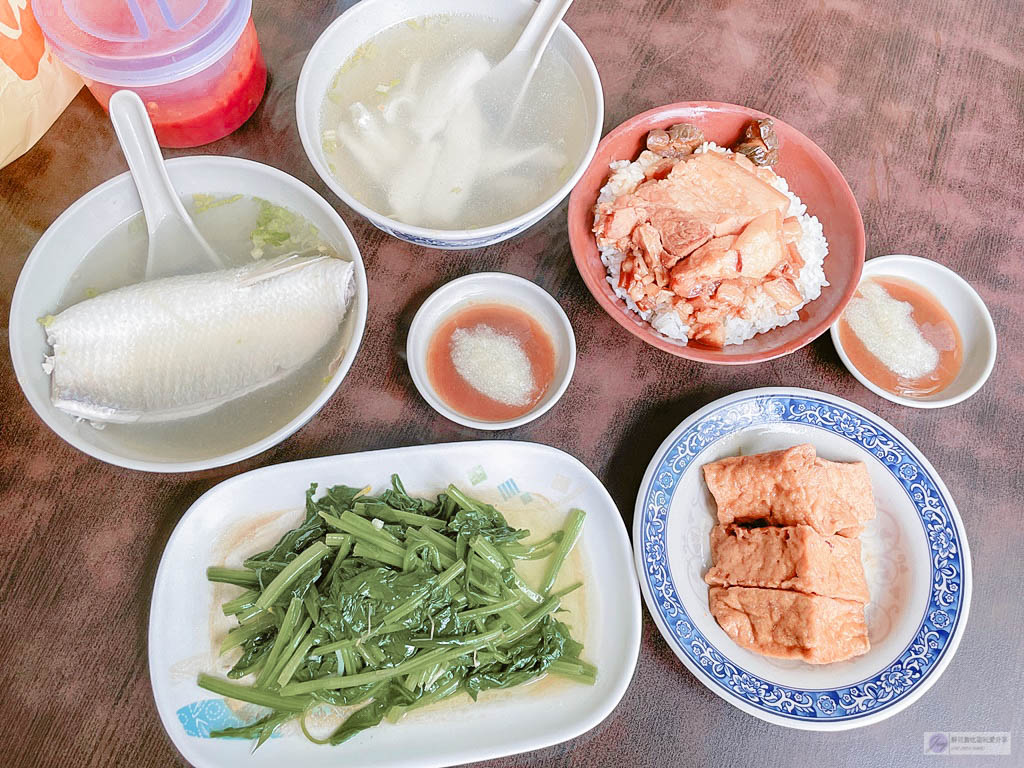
(175, 245)
(499, 89)
(470, 101)
(502, 89)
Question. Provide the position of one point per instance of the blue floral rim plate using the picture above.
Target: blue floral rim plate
(918, 631)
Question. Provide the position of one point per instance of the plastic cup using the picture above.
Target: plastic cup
(196, 64)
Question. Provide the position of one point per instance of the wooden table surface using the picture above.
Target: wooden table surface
(920, 104)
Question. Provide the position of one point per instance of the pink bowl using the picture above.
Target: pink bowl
(810, 174)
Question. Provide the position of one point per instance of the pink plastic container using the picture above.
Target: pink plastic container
(196, 64)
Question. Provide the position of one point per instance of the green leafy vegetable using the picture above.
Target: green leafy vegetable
(278, 227)
(573, 528)
(390, 603)
(329, 142)
(202, 203)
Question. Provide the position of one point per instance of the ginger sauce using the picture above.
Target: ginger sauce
(491, 362)
(936, 326)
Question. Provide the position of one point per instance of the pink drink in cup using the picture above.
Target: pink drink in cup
(196, 64)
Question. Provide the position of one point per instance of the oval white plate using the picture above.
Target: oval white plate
(915, 557)
(968, 311)
(512, 473)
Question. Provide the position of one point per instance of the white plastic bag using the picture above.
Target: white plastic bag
(34, 87)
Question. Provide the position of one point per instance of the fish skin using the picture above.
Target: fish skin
(181, 346)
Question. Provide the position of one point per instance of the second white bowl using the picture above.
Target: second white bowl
(364, 20)
(966, 308)
(486, 288)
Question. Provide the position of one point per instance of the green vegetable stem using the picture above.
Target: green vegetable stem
(391, 603)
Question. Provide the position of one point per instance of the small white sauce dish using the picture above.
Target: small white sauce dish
(364, 20)
(61, 249)
(491, 288)
(964, 305)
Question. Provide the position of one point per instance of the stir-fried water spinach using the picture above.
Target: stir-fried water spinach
(392, 602)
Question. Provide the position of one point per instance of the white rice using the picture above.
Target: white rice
(625, 178)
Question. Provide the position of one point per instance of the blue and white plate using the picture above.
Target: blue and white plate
(915, 557)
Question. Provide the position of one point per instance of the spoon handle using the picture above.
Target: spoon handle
(138, 142)
(539, 29)
(160, 202)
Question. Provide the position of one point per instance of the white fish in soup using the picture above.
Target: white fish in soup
(181, 346)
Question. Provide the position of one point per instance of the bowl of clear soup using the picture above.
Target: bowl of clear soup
(388, 117)
(193, 371)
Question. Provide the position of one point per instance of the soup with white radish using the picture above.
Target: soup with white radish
(406, 134)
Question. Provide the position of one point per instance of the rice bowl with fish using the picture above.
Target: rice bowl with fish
(765, 301)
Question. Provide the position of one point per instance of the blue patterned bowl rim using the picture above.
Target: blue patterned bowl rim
(456, 244)
(920, 663)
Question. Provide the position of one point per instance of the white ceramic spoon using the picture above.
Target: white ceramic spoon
(502, 89)
(175, 245)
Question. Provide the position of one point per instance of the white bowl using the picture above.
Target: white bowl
(364, 20)
(487, 288)
(76, 231)
(968, 312)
